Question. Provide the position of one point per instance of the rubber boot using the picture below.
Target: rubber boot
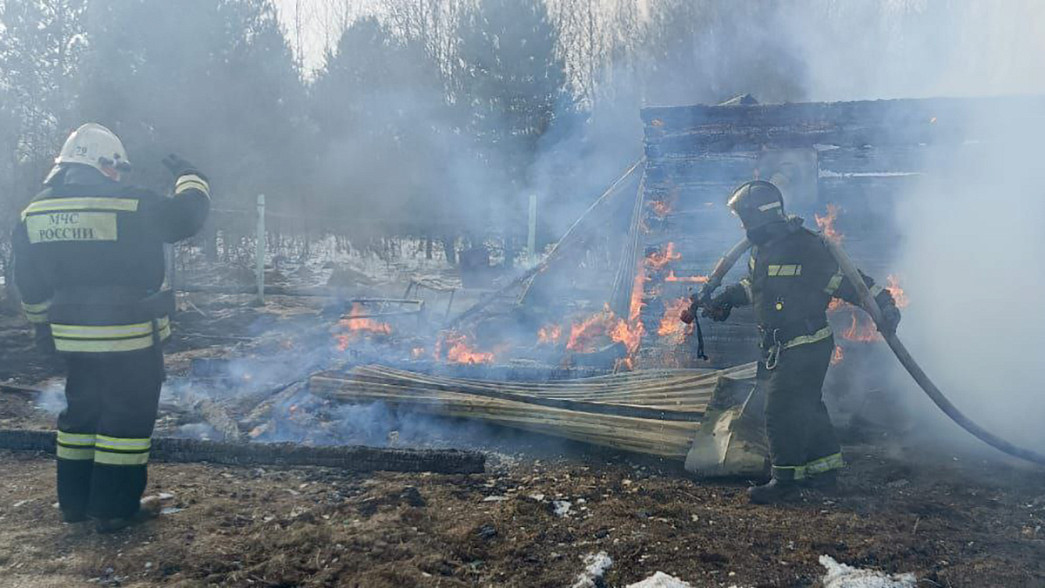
(73, 516)
(773, 492)
(150, 509)
(825, 483)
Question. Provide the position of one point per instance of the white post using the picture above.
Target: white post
(531, 237)
(168, 262)
(260, 252)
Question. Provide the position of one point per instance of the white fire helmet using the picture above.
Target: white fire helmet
(96, 146)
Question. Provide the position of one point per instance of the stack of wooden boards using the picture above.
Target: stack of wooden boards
(656, 412)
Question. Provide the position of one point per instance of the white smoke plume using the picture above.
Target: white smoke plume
(972, 242)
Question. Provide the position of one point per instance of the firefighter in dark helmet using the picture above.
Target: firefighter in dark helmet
(792, 278)
(89, 264)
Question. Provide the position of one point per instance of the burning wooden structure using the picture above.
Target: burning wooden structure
(842, 166)
(622, 273)
(835, 162)
(587, 345)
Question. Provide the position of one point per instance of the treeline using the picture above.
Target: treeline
(439, 115)
(426, 117)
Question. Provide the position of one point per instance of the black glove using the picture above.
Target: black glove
(890, 314)
(179, 167)
(718, 309)
(43, 339)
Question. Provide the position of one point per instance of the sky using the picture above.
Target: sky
(319, 20)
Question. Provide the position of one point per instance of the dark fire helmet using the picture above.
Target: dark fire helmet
(757, 203)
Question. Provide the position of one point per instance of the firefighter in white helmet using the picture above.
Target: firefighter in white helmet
(90, 269)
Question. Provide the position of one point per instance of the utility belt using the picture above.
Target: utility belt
(774, 341)
(108, 319)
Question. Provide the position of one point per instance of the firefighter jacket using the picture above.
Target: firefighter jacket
(89, 260)
(791, 280)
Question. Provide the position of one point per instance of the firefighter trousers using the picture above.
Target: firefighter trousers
(104, 432)
(802, 441)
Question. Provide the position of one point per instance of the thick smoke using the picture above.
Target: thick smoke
(972, 257)
(971, 230)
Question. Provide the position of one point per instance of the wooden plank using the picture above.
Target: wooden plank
(874, 159)
(433, 394)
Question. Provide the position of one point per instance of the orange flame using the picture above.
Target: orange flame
(838, 355)
(583, 333)
(457, 349)
(417, 352)
(670, 325)
(826, 223)
(607, 324)
(658, 259)
(862, 329)
(549, 335)
(638, 288)
(898, 294)
(630, 334)
(660, 208)
(358, 327)
(688, 279)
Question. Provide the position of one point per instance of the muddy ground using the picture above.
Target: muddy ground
(954, 518)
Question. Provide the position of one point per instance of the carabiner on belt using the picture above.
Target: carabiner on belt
(773, 353)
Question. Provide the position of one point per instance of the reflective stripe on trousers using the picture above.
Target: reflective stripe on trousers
(103, 449)
(36, 313)
(810, 469)
(75, 446)
(122, 451)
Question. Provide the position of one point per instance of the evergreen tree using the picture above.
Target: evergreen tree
(513, 81)
(211, 80)
(385, 133)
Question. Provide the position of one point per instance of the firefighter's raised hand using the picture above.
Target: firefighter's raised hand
(179, 167)
(687, 316)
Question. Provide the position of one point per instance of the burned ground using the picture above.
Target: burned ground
(953, 517)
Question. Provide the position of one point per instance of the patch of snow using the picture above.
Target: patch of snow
(840, 575)
(595, 566)
(561, 508)
(661, 580)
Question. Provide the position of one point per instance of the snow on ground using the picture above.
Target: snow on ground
(595, 566)
(839, 575)
(661, 580)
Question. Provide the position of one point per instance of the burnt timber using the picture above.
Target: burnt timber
(350, 458)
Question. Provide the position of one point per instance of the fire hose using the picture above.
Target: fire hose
(722, 268)
(868, 303)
